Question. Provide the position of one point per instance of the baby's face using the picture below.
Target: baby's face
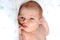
(29, 19)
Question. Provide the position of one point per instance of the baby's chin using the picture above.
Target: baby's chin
(26, 30)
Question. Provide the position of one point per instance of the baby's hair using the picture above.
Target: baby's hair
(31, 4)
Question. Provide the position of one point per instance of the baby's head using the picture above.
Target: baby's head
(30, 15)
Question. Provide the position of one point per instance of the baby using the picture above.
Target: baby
(32, 25)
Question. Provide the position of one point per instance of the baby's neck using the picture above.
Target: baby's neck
(37, 31)
(35, 35)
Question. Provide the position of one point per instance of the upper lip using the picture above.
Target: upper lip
(24, 25)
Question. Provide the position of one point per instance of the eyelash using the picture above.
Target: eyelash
(21, 17)
(24, 18)
(32, 18)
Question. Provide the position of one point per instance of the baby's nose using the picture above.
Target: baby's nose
(25, 21)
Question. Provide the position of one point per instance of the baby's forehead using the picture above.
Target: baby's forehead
(29, 12)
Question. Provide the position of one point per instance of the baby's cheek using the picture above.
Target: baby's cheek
(29, 22)
(21, 20)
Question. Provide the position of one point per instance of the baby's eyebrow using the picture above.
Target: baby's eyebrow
(22, 17)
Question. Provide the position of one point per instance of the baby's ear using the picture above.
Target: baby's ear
(44, 26)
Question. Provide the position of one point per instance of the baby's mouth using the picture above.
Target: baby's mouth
(22, 25)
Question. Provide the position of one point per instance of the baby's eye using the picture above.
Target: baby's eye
(22, 18)
(31, 18)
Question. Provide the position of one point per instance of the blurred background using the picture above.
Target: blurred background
(8, 18)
